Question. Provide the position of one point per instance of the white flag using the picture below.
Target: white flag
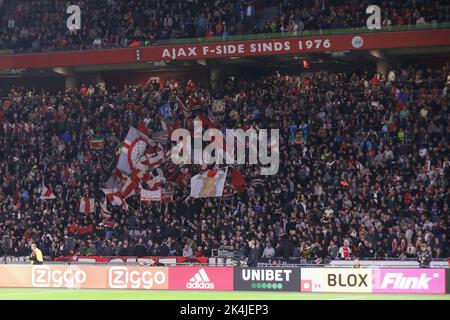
(46, 194)
(208, 184)
(87, 205)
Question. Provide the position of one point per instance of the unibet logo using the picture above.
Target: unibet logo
(266, 275)
(200, 280)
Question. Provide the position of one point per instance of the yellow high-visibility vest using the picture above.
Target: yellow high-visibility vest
(39, 256)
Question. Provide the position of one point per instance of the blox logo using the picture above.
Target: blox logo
(45, 277)
(200, 280)
(348, 280)
(397, 280)
(122, 278)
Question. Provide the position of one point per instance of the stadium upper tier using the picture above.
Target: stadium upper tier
(363, 160)
(40, 25)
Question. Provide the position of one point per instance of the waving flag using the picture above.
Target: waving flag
(237, 180)
(133, 148)
(184, 108)
(151, 195)
(208, 184)
(129, 188)
(159, 194)
(155, 158)
(46, 194)
(114, 197)
(87, 205)
(104, 210)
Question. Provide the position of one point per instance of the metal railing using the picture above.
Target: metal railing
(281, 35)
(304, 33)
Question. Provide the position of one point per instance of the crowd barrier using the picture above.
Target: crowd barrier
(278, 279)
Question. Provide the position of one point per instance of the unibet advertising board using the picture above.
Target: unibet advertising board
(267, 279)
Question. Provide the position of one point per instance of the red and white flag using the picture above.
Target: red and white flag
(87, 205)
(156, 158)
(163, 195)
(129, 188)
(133, 148)
(104, 210)
(46, 194)
(151, 195)
(184, 108)
(114, 197)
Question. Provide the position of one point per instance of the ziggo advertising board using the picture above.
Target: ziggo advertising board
(84, 277)
(116, 277)
(431, 281)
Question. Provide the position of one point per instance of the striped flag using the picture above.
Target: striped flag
(87, 205)
(96, 143)
(104, 210)
(185, 109)
(156, 158)
(114, 197)
(257, 183)
(129, 188)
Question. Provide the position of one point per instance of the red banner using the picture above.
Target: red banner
(382, 40)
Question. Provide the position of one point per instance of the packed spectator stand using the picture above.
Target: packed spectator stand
(364, 168)
(40, 25)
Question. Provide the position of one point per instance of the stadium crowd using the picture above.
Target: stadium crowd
(364, 168)
(40, 25)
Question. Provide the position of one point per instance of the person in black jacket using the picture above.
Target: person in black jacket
(164, 249)
(424, 256)
(286, 247)
(253, 256)
(140, 249)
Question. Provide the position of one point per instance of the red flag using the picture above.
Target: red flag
(143, 128)
(193, 102)
(237, 180)
(83, 230)
(135, 44)
(305, 64)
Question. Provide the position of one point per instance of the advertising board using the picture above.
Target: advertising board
(201, 278)
(336, 280)
(408, 280)
(267, 279)
(81, 276)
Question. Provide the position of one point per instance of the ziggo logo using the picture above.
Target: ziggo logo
(44, 277)
(121, 278)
